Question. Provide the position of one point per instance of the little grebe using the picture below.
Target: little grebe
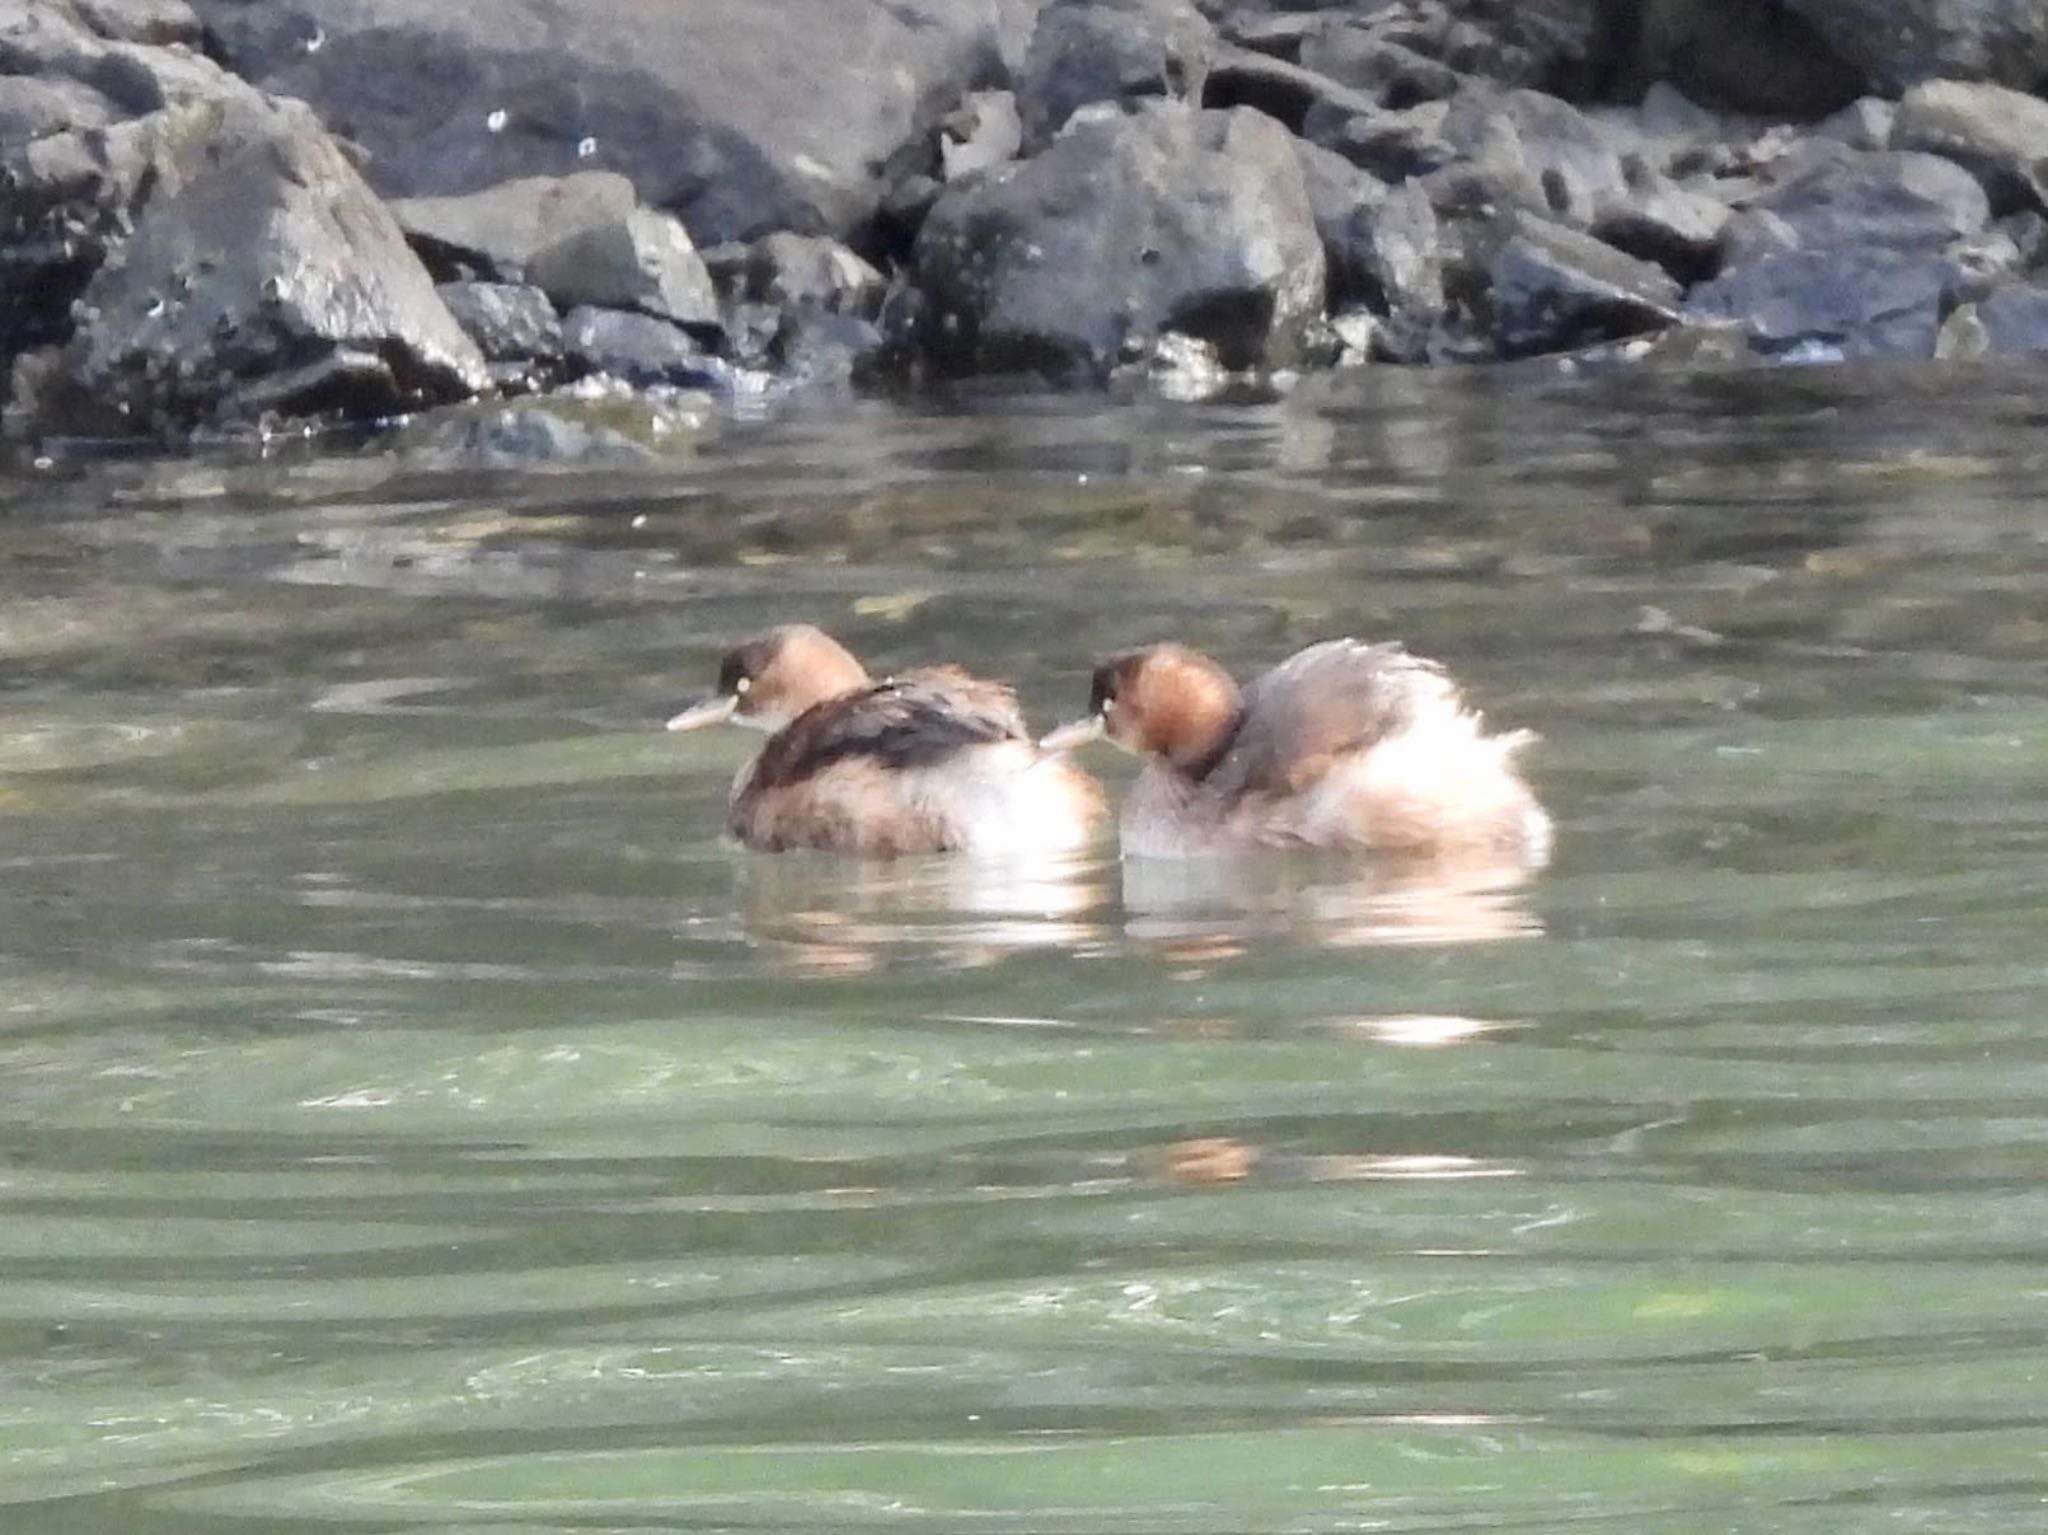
(929, 761)
(1343, 746)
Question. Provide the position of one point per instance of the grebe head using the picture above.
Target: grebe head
(770, 680)
(1163, 701)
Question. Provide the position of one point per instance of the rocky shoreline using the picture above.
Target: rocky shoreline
(224, 215)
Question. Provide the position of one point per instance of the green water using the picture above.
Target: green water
(413, 1117)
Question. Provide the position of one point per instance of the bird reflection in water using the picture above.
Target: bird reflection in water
(1209, 908)
(830, 915)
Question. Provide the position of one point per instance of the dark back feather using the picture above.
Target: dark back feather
(1326, 701)
(913, 721)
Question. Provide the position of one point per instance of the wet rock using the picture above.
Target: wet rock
(495, 234)
(260, 275)
(1913, 204)
(1830, 304)
(523, 436)
(1127, 227)
(1345, 203)
(643, 260)
(739, 117)
(2015, 320)
(514, 326)
(2000, 136)
(1553, 289)
(818, 348)
(1399, 268)
(638, 349)
(1122, 51)
(985, 130)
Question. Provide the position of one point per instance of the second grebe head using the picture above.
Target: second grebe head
(770, 680)
(1165, 701)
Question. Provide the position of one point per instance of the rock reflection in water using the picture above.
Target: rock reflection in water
(1327, 902)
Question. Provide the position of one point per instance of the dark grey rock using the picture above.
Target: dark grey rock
(1553, 289)
(157, 22)
(1395, 146)
(1750, 56)
(1127, 227)
(31, 107)
(2000, 136)
(1345, 203)
(1522, 149)
(2028, 232)
(740, 117)
(1403, 53)
(1914, 204)
(1277, 35)
(818, 348)
(2015, 320)
(1122, 51)
(496, 233)
(1658, 220)
(1281, 89)
(639, 350)
(1830, 303)
(1752, 234)
(509, 322)
(260, 275)
(1894, 44)
(984, 130)
(642, 261)
(805, 272)
(1380, 62)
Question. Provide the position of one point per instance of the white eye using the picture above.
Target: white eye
(742, 685)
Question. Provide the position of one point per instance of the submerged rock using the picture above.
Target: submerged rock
(1126, 228)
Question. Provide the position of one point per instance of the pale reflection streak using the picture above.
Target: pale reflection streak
(1318, 901)
(830, 915)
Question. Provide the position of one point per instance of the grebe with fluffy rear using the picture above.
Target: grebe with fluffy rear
(1343, 746)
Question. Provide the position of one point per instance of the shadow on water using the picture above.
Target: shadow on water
(414, 1116)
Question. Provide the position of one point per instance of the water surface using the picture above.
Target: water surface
(414, 1117)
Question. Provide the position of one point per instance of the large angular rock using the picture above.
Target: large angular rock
(1126, 228)
(638, 349)
(643, 261)
(514, 326)
(1523, 149)
(495, 234)
(1999, 135)
(273, 280)
(1914, 204)
(1086, 51)
(1553, 289)
(739, 116)
(1830, 304)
